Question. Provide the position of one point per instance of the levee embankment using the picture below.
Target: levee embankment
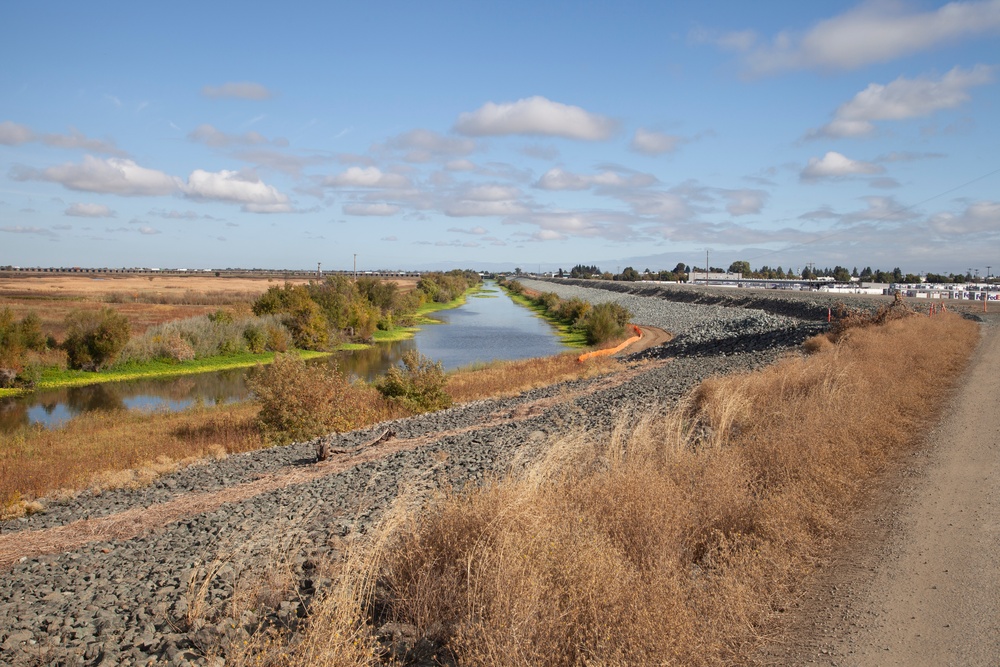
(161, 572)
(811, 306)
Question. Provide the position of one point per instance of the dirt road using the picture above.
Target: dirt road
(922, 585)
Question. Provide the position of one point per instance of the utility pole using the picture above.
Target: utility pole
(355, 267)
(319, 271)
(706, 263)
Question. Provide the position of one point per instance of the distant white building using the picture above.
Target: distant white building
(962, 291)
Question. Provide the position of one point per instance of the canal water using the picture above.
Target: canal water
(488, 327)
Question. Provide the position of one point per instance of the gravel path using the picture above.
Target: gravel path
(111, 599)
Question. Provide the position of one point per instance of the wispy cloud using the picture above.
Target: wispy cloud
(246, 90)
(872, 32)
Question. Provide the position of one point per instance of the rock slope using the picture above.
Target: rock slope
(151, 576)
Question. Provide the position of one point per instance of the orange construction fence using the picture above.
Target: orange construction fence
(613, 350)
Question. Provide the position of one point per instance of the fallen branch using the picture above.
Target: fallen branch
(324, 449)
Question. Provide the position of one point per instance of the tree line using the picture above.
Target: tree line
(765, 272)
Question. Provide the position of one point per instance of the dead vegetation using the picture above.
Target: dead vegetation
(678, 540)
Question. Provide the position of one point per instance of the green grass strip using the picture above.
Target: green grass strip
(54, 378)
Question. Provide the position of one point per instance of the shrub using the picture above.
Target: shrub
(300, 401)
(256, 339)
(573, 310)
(418, 384)
(94, 339)
(604, 322)
(17, 341)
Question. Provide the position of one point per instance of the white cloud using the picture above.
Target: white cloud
(112, 176)
(873, 32)
(77, 140)
(981, 217)
(559, 179)
(540, 152)
(554, 225)
(242, 90)
(13, 134)
(471, 208)
(377, 209)
(18, 229)
(907, 156)
(425, 145)
(478, 231)
(902, 99)
(745, 202)
(271, 159)
(460, 165)
(90, 211)
(835, 165)
(212, 136)
(389, 238)
(666, 206)
(240, 188)
(649, 142)
(366, 177)
(535, 116)
(148, 231)
(489, 192)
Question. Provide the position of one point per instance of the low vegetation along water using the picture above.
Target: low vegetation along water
(489, 326)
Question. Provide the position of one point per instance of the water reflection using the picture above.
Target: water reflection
(482, 330)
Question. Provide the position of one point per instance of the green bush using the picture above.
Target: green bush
(300, 401)
(17, 340)
(418, 384)
(604, 322)
(94, 339)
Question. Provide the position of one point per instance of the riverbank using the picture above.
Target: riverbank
(569, 336)
(54, 378)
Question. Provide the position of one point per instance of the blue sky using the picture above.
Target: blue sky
(491, 135)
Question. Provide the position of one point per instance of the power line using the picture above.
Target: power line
(879, 219)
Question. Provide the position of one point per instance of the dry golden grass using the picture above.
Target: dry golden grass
(507, 378)
(102, 450)
(673, 541)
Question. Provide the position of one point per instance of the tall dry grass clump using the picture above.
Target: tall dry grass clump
(508, 378)
(675, 540)
(101, 450)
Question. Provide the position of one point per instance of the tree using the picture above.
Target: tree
(841, 275)
(629, 274)
(94, 339)
(740, 267)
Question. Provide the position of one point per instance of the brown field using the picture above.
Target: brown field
(145, 300)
